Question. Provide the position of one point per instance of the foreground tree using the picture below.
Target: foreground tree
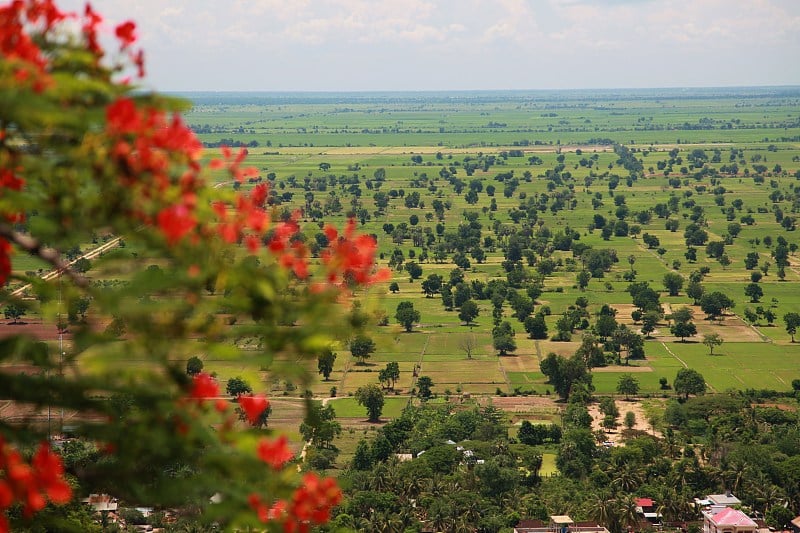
(84, 149)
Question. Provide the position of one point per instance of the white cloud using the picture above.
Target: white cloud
(576, 42)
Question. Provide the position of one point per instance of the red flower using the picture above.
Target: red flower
(91, 21)
(203, 387)
(49, 470)
(125, 32)
(275, 453)
(176, 222)
(138, 60)
(253, 407)
(123, 117)
(5, 261)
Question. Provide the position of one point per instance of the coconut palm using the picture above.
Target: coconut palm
(627, 512)
(602, 509)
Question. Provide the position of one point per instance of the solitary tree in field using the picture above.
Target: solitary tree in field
(628, 385)
(194, 366)
(362, 347)
(467, 343)
(754, 291)
(390, 374)
(583, 278)
(424, 385)
(715, 304)
(406, 315)
(371, 397)
(237, 386)
(14, 312)
(503, 338)
(792, 321)
(325, 362)
(711, 340)
(689, 381)
(469, 312)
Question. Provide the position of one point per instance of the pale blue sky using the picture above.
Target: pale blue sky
(360, 45)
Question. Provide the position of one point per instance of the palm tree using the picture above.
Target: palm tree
(380, 477)
(628, 515)
(601, 509)
(627, 479)
(439, 517)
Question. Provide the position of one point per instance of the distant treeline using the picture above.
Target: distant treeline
(455, 97)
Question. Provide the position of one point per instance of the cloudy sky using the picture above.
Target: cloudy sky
(362, 45)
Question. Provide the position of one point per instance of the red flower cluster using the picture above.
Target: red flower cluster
(8, 180)
(292, 254)
(249, 220)
(203, 388)
(126, 33)
(30, 484)
(275, 453)
(145, 144)
(350, 257)
(5, 261)
(311, 505)
(16, 43)
(234, 164)
(91, 20)
(253, 406)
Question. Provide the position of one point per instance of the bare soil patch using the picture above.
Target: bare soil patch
(622, 368)
(516, 404)
(624, 406)
(37, 329)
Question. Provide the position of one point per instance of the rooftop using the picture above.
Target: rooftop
(724, 499)
(558, 523)
(731, 517)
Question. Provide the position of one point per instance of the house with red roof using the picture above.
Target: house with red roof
(646, 508)
(727, 520)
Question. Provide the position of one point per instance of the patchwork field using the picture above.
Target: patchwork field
(512, 190)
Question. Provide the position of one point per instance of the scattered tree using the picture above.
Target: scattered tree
(371, 397)
(237, 386)
(362, 347)
(628, 385)
(424, 386)
(469, 312)
(792, 321)
(689, 381)
(194, 365)
(325, 362)
(406, 315)
(711, 340)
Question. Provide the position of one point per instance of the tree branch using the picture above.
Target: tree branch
(50, 255)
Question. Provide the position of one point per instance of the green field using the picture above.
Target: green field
(543, 166)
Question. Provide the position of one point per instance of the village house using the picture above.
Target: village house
(727, 520)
